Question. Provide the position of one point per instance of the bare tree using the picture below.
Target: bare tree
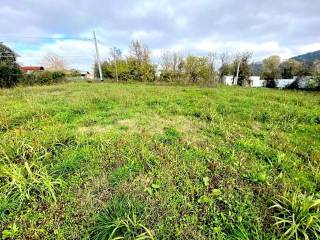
(224, 69)
(53, 61)
(211, 65)
(140, 52)
(242, 68)
(115, 54)
(166, 61)
(172, 65)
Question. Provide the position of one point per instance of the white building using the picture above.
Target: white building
(255, 81)
(282, 83)
(86, 75)
(228, 80)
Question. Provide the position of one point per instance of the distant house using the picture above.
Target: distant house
(255, 81)
(86, 75)
(30, 69)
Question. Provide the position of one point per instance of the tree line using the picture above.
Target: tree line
(174, 67)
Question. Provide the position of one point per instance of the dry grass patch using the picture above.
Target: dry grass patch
(95, 129)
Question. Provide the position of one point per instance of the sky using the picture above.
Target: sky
(35, 28)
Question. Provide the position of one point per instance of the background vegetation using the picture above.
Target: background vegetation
(105, 161)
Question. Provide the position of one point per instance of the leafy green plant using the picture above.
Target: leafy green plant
(120, 221)
(11, 232)
(28, 181)
(297, 216)
(170, 136)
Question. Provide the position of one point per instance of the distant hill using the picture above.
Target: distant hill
(308, 57)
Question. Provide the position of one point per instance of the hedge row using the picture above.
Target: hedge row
(11, 75)
(42, 78)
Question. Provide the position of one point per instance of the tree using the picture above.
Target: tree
(54, 62)
(211, 65)
(242, 61)
(226, 67)
(271, 70)
(140, 52)
(316, 67)
(171, 67)
(199, 69)
(291, 68)
(10, 72)
(139, 62)
(115, 54)
(256, 68)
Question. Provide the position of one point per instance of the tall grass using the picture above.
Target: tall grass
(121, 220)
(297, 216)
(26, 182)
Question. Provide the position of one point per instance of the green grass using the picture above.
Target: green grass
(135, 161)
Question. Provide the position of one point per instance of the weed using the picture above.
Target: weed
(121, 220)
(297, 216)
(26, 182)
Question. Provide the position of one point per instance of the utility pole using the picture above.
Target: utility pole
(97, 55)
(238, 69)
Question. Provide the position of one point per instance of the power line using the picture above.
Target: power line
(45, 37)
(76, 56)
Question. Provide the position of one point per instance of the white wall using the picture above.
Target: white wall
(255, 81)
(227, 80)
(282, 83)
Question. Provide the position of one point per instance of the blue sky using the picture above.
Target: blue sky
(282, 27)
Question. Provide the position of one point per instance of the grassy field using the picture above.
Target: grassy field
(101, 161)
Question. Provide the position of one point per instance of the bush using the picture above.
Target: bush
(315, 83)
(43, 77)
(128, 70)
(9, 74)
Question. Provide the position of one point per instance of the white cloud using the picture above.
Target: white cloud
(77, 54)
(309, 47)
(146, 36)
(262, 27)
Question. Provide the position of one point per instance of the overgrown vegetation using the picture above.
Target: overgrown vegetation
(298, 216)
(43, 78)
(135, 161)
(11, 74)
(9, 69)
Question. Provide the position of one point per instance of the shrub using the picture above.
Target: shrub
(43, 77)
(58, 76)
(9, 74)
(315, 82)
(297, 216)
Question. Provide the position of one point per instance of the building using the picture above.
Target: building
(86, 75)
(255, 81)
(31, 69)
(228, 80)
